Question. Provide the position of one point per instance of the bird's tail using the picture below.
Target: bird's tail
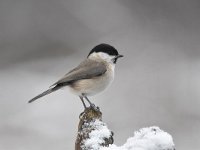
(45, 93)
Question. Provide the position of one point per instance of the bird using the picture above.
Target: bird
(91, 76)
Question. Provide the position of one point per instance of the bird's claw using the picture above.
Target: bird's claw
(96, 108)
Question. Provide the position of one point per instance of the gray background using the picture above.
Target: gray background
(156, 83)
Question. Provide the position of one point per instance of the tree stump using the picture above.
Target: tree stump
(92, 132)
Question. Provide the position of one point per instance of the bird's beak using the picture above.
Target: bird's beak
(118, 56)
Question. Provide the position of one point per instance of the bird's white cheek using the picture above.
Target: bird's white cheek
(110, 73)
(101, 56)
(112, 67)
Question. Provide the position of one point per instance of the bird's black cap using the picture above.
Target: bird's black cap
(105, 48)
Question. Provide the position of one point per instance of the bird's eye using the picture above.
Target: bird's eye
(114, 60)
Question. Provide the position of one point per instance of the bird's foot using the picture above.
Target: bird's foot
(96, 108)
(91, 107)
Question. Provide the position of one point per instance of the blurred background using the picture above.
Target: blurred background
(156, 83)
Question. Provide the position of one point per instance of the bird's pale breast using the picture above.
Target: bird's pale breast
(94, 85)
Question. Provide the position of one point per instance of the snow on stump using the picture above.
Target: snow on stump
(93, 134)
(152, 138)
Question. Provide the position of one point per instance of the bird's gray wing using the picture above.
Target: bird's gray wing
(86, 70)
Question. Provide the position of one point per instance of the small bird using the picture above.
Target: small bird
(92, 76)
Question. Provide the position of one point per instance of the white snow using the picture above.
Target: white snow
(151, 138)
(97, 136)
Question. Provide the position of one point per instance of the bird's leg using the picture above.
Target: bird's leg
(91, 104)
(83, 102)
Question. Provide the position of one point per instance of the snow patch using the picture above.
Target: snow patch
(97, 136)
(151, 138)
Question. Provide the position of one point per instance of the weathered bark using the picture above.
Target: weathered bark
(86, 126)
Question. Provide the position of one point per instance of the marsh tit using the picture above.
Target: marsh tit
(92, 76)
